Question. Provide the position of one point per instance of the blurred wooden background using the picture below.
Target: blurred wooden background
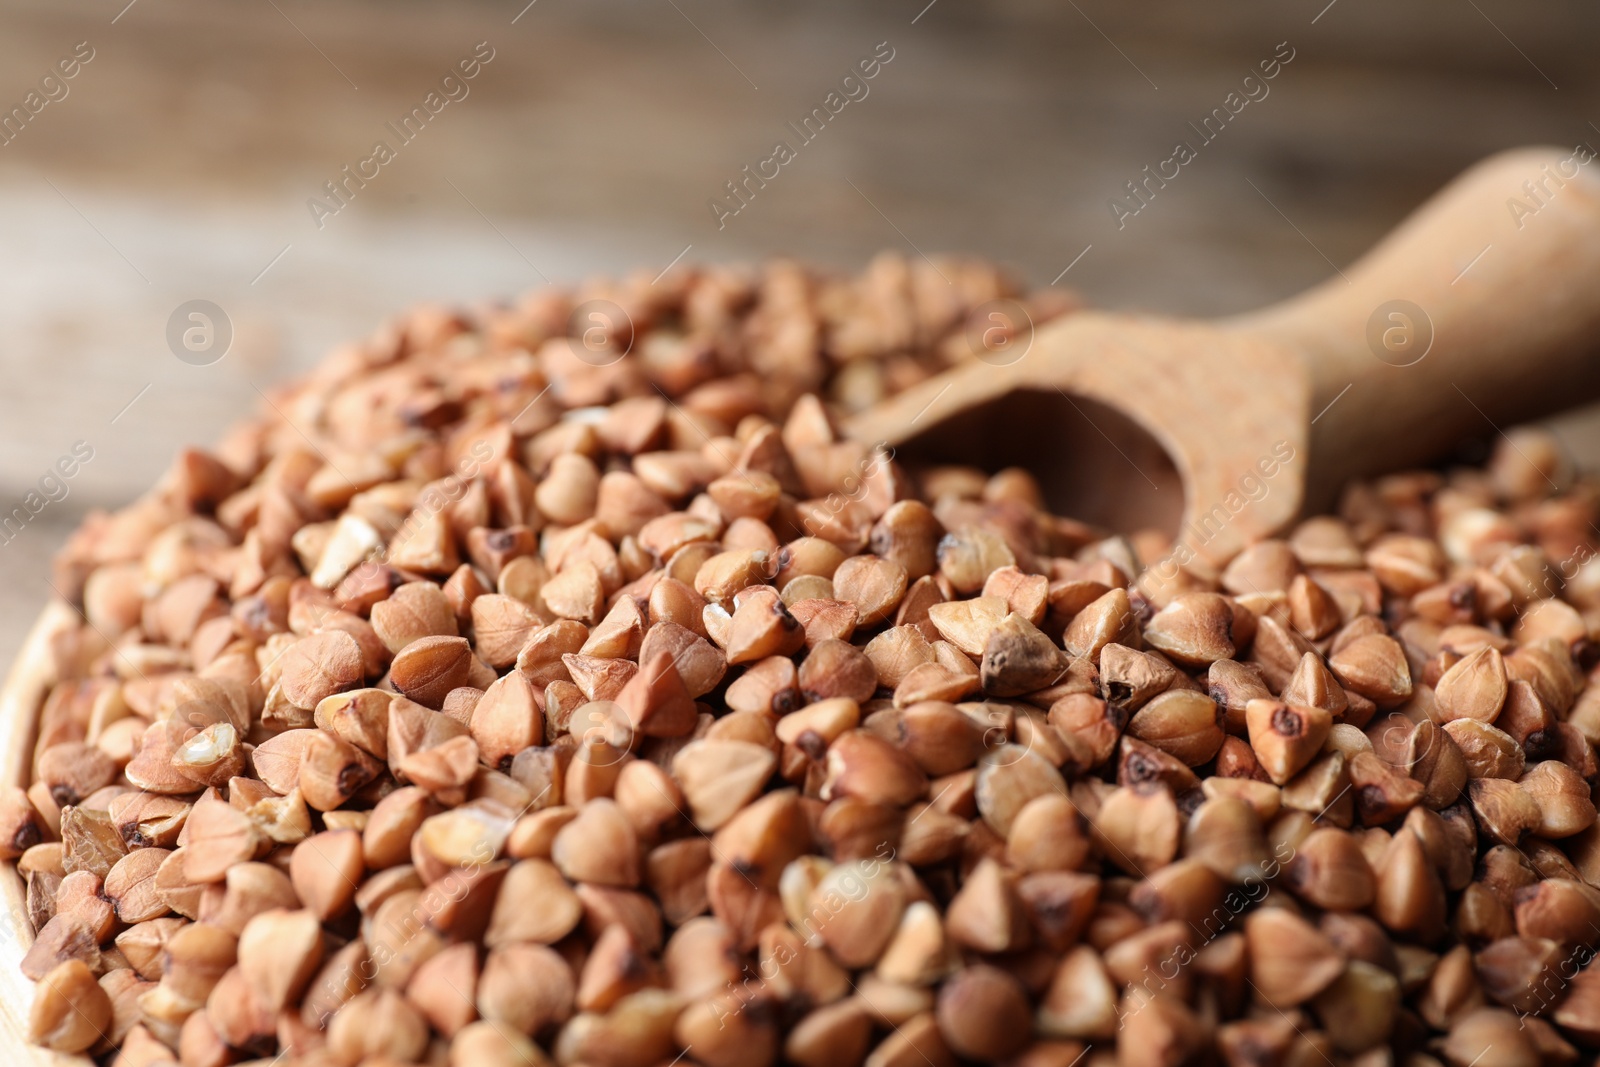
(180, 162)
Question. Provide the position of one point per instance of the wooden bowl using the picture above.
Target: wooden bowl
(20, 700)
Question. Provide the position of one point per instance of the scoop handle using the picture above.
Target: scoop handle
(1479, 311)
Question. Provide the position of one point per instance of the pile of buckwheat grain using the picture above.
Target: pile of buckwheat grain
(501, 699)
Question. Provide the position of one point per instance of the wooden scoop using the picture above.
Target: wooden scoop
(1473, 315)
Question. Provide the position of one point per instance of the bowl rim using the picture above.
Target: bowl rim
(26, 686)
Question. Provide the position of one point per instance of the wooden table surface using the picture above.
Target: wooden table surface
(180, 164)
